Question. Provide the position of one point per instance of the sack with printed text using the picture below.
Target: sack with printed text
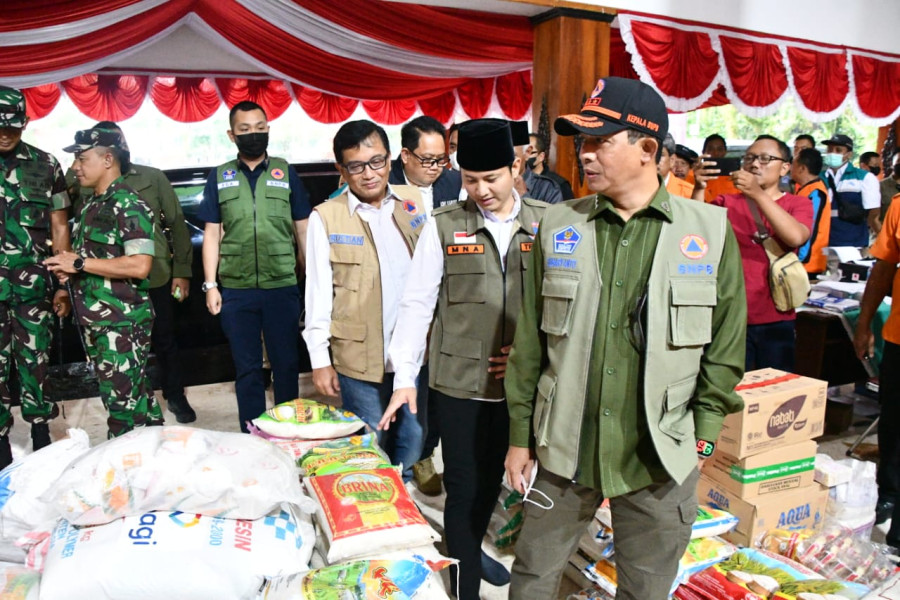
(355, 453)
(175, 555)
(366, 512)
(307, 419)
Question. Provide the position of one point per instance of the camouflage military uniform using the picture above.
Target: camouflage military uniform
(116, 314)
(32, 187)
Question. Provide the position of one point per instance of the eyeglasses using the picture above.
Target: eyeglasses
(440, 161)
(763, 159)
(375, 163)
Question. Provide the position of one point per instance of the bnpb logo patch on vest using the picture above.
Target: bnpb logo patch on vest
(566, 240)
(277, 174)
(693, 246)
(410, 207)
(229, 174)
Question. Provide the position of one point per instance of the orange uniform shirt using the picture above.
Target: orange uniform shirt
(719, 186)
(887, 248)
(679, 187)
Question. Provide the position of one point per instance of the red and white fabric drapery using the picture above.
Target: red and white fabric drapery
(695, 65)
(190, 99)
(325, 55)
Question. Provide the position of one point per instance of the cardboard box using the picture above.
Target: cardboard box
(787, 468)
(798, 509)
(779, 409)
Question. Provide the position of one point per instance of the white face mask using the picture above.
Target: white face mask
(832, 160)
(453, 163)
(529, 490)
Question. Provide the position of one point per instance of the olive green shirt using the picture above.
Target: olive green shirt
(617, 455)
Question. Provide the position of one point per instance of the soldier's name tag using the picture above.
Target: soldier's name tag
(465, 249)
(227, 184)
(279, 184)
(526, 246)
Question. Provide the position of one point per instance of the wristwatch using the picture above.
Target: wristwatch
(78, 264)
(208, 285)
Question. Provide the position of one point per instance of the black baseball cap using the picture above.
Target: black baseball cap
(839, 139)
(616, 104)
(685, 153)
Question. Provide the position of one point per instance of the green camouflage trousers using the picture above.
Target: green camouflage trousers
(26, 332)
(120, 357)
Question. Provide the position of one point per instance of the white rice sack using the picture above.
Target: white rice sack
(175, 555)
(23, 482)
(212, 473)
(308, 420)
(19, 583)
(413, 578)
(366, 512)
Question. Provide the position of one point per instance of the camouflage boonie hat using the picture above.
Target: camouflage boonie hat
(91, 138)
(12, 108)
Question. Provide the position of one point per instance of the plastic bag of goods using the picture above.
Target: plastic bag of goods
(366, 512)
(177, 468)
(359, 452)
(835, 552)
(407, 579)
(889, 590)
(175, 555)
(853, 503)
(296, 449)
(19, 583)
(308, 420)
(23, 482)
(756, 574)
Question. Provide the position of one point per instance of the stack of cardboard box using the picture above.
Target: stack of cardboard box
(763, 467)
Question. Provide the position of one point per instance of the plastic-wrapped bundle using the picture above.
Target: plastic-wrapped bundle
(177, 468)
(308, 420)
(355, 453)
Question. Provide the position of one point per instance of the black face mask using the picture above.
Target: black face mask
(875, 171)
(252, 145)
(531, 162)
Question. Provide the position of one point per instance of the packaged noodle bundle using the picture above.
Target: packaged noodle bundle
(177, 468)
(757, 574)
(175, 555)
(413, 578)
(19, 583)
(308, 420)
(359, 452)
(366, 512)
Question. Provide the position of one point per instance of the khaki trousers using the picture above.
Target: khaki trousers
(651, 529)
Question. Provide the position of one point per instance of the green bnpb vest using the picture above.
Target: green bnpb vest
(478, 303)
(681, 297)
(257, 250)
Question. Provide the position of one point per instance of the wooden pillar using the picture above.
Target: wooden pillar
(571, 52)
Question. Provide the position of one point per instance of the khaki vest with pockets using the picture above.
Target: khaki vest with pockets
(357, 339)
(257, 250)
(478, 304)
(680, 302)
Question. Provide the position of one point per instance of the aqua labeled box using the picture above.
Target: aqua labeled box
(787, 468)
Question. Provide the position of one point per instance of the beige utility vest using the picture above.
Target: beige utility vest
(357, 339)
(478, 303)
(682, 294)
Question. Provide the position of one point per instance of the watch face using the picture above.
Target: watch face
(78, 263)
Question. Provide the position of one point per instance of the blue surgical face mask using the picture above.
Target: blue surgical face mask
(832, 160)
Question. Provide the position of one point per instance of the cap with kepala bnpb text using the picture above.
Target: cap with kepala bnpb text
(12, 108)
(616, 104)
(96, 136)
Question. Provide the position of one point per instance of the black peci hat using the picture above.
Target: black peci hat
(485, 145)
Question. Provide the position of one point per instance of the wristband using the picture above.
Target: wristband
(705, 448)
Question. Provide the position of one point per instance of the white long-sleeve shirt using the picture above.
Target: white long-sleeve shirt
(407, 348)
(394, 261)
(868, 187)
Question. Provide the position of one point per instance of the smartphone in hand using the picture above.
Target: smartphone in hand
(726, 165)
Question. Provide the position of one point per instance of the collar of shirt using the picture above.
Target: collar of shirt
(261, 167)
(836, 175)
(660, 205)
(489, 216)
(354, 203)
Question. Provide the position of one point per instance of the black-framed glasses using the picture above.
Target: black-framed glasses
(440, 161)
(375, 163)
(763, 159)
